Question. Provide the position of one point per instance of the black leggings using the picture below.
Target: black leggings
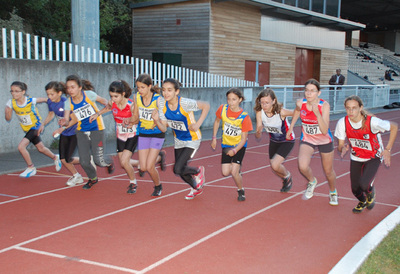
(181, 168)
(362, 175)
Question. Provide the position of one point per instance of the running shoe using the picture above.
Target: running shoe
(359, 207)
(241, 196)
(200, 177)
(74, 180)
(132, 188)
(371, 199)
(141, 173)
(157, 191)
(310, 189)
(287, 184)
(57, 163)
(111, 168)
(90, 183)
(162, 160)
(29, 172)
(333, 199)
(193, 193)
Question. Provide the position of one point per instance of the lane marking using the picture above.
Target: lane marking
(59, 256)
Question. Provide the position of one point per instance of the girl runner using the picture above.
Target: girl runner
(235, 127)
(68, 142)
(30, 121)
(151, 138)
(177, 113)
(272, 116)
(122, 108)
(90, 135)
(367, 150)
(314, 115)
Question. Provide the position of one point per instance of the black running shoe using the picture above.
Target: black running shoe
(241, 196)
(90, 183)
(157, 191)
(287, 184)
(110, 168)
(132, 189)
(141, 173)
(359, 207)
(162, 161)
(371, 199)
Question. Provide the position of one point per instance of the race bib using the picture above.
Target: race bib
(311, 129)
(84, 112)
(272, 130)
(124, 130)
(25, 120)
(232, 130)
(177, 125)
(145, 113)
(362, 144)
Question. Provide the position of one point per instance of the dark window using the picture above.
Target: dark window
(304, 4)
(332, 7)
(318, 6)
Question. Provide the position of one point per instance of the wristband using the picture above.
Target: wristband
(214, 137)
(64, 128)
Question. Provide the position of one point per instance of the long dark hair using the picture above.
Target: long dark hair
(21, 85)
(147, 80)
(237, 92)
(57, 86)
(121, 87)
(363, 112)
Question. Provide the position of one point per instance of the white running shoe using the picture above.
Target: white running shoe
(193, 193)
(310, 190)
(200, 177)
(57, 163)
(333, 199)
(74, 180)
(29, 172)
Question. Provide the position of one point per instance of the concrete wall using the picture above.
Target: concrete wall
(36, 74)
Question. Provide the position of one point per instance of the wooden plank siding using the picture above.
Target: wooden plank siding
(155, 29)
(235, 38)
(218, 37)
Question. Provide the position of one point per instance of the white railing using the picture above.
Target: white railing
(373, 96)
(28, 47)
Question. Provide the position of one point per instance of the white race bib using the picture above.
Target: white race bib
(124, 130)
(84, 112)
(363, 144)
(232, 130)
(177, 125)
(145, 113)
(272, 130)
(311, 129)
(25, 120)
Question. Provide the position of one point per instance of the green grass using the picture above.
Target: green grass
(386, 257)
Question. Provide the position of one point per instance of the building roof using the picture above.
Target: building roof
(271, 8)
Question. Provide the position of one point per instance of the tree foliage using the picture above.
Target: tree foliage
(52, 19)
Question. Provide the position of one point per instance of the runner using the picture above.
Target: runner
(367, 150)
(67, 143)
(122, 108)
(90, 135)
(30, 121)
(271, 116)
(235, 127)
(314, 115)
(151, 138)
(177, 113)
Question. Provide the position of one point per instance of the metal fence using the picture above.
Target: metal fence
(372, 95)
(25, 46)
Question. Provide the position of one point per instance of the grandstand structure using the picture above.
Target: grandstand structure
(370, 63)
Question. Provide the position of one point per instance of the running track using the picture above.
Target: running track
(49, 228)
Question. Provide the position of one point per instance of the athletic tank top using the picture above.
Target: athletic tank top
(364, 144)
(83, 110)
(123, 133)
(179, 121)
(231, 128)
(276, 127)
(28, 115)
(146, 123)
(311, 132)
(58, 109)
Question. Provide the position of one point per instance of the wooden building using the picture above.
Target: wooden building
(259, 40)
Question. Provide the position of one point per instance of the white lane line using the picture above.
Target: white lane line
(59, 256)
